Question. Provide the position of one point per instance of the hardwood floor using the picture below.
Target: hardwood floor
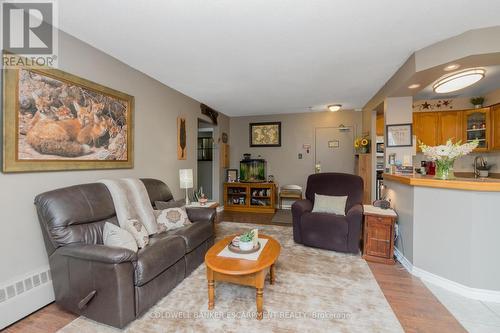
(416, 308)
(48, 319)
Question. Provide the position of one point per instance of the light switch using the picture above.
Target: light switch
(300, 156)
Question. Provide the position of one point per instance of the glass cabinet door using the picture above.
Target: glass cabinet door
(477, 127)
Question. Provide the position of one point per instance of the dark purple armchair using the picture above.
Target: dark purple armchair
(330, 231)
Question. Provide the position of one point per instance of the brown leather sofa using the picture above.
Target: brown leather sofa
(109, 284)
(330, 231)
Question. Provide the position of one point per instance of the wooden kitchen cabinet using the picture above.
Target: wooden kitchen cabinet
(425, 128)
(380, 125)
(450, 126)
(476, 125)
(495, 127)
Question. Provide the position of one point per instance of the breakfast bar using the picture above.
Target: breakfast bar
(448, 231)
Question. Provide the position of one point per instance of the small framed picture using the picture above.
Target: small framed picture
(231, 175)
(399, 135)
(334, 144)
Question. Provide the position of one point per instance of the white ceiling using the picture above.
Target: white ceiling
(490, 82)
(266, 57)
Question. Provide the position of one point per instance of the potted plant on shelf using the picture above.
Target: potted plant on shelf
(445, 155)
(246, 241)
(477, 102)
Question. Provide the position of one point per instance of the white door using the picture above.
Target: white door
(335, 149)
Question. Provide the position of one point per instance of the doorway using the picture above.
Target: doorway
(334, 149)
(205, 153)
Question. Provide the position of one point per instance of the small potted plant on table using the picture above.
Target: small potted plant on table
(246, 241)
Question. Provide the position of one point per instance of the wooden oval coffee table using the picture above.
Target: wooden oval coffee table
(241, 271)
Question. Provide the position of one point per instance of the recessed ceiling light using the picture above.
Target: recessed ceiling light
(451, 67)
(334, 107)
(414, 86)
(458, 80)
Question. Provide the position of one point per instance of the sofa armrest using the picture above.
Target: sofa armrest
(98, 253)
(201, 214)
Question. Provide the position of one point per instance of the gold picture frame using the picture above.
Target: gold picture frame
(42, 131)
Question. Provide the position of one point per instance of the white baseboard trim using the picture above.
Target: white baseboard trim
(26, 303)
(455, 287)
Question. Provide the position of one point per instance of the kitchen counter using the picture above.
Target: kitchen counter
(448, 231)
(459, 183)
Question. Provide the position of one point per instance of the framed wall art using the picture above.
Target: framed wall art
(54, 120)
(265, 134)
(181, 138)
(400, 135)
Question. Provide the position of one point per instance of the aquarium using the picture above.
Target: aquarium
(253, 170)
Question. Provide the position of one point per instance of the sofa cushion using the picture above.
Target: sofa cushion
(173, 218)
(113, 235)
(324, 230)
(138, 231)
(162, 252)
(194, 234)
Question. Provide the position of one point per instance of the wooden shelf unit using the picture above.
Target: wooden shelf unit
(250, 197)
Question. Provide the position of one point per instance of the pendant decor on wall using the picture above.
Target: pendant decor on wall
(54, 120)
(210, 113)
(181, 138)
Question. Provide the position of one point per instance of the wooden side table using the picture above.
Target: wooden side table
(378, 234)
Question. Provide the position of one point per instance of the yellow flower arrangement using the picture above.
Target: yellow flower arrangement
(362, 144)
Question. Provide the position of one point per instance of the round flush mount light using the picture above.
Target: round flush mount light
(334, 107)
(458, 80)
(451, 67)
(414, 86)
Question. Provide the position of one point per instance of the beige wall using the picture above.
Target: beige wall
(156, 109)
(297, 129)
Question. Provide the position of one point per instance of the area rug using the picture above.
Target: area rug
(282, 216)
(315, 290)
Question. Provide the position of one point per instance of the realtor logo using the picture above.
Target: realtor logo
(28, 33)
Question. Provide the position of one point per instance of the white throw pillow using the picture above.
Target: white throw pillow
(138, 230)
(173, 218)
(115, 236)
(329, 204)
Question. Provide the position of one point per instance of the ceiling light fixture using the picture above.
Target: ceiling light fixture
(451, 67)
(334, 107)
(458, 80)
(414, 86)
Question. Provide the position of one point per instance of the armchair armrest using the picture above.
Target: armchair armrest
(99, 253)
(201, 214)
(355, 220)
(355, 213)
(300, 207)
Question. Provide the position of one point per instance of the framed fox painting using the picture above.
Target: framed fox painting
(57, 121)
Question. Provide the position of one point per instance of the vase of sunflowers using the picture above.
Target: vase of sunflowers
(362, 145)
